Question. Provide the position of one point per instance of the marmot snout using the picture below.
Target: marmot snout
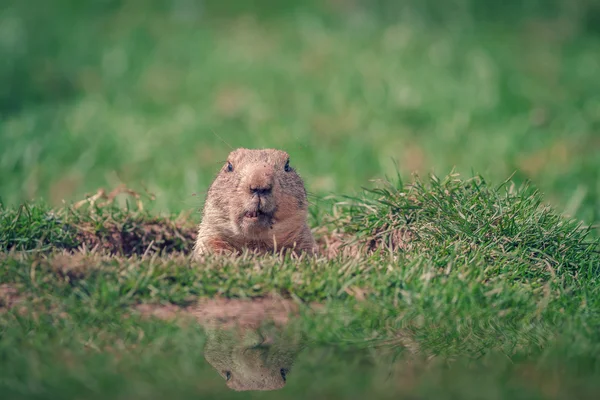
(257, 201)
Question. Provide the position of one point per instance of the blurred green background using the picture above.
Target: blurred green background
(152, 93)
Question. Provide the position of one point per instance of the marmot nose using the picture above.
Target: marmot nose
(260, 181)
(261, 190)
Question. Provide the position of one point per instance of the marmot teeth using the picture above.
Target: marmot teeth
(251, 214)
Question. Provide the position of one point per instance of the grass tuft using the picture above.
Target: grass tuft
(457, 220)
(107, 228)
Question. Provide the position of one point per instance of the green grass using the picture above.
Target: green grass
(456, 287)
(123, 231)
(114, 91)
(492, 284)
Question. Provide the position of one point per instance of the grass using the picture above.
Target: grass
(490, 279)
(452, 286)
(115, 230)
(433, 85)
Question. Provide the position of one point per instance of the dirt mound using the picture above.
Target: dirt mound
(138, 237)
(226, 313)
(335, 243)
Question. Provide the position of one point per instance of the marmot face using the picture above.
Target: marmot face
(252, 359)
(260, 192)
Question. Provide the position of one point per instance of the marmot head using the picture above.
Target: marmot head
(257, 194)
(252, 359)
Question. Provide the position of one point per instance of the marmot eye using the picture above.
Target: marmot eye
(227, 375)
(287, 167)
(229, 167)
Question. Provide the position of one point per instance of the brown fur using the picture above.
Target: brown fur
(258, 182)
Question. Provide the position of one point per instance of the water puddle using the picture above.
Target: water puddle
(247, 342)
(256, 346)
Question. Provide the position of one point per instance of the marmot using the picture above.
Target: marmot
(257, 201)
(252, 359)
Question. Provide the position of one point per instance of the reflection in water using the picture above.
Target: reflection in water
(248, 342)
(252, 359)
(253, 345)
